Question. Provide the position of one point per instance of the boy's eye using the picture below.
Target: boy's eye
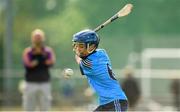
(80, 45)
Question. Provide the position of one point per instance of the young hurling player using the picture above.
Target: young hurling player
(96, 66)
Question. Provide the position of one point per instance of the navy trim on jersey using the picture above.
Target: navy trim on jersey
(111, 74)
(81, 70)
(88, 55)
(87, 63)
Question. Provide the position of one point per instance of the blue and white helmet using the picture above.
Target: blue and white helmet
(86, 36)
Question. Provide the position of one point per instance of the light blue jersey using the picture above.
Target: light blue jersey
(97, 68)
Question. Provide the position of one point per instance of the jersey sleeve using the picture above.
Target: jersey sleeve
(86, 63)
(86, 67)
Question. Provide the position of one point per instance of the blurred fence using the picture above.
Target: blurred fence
(71, 92)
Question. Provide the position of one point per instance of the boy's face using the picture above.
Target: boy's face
(80, 49)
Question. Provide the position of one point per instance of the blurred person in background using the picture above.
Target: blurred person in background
(131, 88)
(96, 66)
(37, 59)
(175, 89)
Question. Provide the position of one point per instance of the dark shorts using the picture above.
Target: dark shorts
(116, 105)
